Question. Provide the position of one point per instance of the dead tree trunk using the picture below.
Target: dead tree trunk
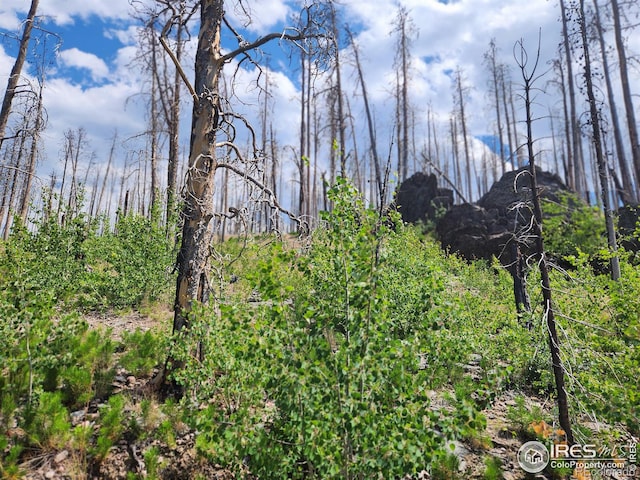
(575, 161)
(405, 98)
(626, 91)
(13, 184)
(494, 69)
(192, 282)
(154, 130)
(174, 131)
(463, 124)
(106, 175)
(16, 71)
(529, 79)
(33, 157)
(339, 98)
(627, 193)
(207, 128)
(603, 170)
(371, 127)
(512, 145)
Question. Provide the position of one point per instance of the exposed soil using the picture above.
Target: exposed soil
(129, 321)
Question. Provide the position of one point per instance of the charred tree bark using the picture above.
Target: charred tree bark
(192, 281)
(174, 132)
(463, 125)
(575, 161)
(33, 158)
(494, 70)
(627, 192)
(106, 175)
(404, 54)
(11, 191)
(375, 159)
(342, 154)
(304, 127)
(512, 145)
(154, 130)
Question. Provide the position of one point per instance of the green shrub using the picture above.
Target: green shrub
(128, 266)
(493, 468)
(143, 351)
(80, 267)
(571, 226)
(51, 364)
(48, 423)
(321, 380)
(111, 427)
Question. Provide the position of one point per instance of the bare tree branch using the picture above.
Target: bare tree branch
(174, 59)
(273, 202)
(243, 48)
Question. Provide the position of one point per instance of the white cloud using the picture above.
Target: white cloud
(448, 36)
(6, 63)
(258, 16)
(8, 13)
(76, 58)
(63, 12)
(127, 36)
(99, 110)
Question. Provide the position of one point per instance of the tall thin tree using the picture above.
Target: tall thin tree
(603, 170)
(529, 77)
(16, 70)
(627, 192)
(632, 125)
(211, 117)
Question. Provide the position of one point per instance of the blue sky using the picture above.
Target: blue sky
(93, 83)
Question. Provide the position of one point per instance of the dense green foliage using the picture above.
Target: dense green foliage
(118, 268)
(368, 352)
(345, 397)
(571, 227)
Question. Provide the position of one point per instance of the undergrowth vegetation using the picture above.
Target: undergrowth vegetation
(83, 268)
(367, 353)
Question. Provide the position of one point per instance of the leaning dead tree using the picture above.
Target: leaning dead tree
(529, 77)
(214, 127)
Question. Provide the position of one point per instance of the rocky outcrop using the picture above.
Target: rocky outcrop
(487, 228)
(418, 198)
(474, 232)
(629, 227)
(497, 224)
(514, 188)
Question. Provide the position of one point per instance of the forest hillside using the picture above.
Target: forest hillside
(362, 350)
(207, 269)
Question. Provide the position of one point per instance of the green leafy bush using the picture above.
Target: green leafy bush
(321, 380)
(570, 227)
(78, 266)
(128, 266)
